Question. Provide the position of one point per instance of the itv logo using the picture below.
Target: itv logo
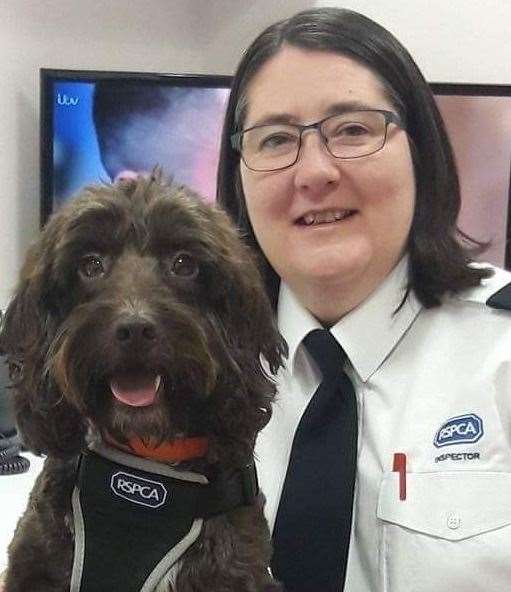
(67, 101)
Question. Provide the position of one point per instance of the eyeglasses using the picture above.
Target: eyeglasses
(352, 134)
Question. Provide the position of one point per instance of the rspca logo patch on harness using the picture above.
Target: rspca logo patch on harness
(138, 490)
(464, 429)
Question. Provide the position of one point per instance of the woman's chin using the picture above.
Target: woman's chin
(330, 269)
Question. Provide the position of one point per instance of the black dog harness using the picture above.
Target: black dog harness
(134, 518)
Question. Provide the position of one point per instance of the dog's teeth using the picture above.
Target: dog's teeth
(157, 382)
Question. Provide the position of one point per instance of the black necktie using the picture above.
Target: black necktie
(312, 529)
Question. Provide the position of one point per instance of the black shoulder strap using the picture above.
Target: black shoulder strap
(229, 490)
(501, 299)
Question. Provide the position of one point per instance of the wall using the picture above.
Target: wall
(458, 40)
(451, 40)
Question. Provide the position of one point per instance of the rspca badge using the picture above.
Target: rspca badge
(138, 490)
(464, 429)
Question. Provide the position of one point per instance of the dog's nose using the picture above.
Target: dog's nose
(132, 332)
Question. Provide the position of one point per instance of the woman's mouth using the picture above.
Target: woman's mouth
(324, 217)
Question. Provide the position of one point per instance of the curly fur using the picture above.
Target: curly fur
(208, 333)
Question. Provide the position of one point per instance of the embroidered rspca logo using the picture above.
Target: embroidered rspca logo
(464, 429)
(138, 490)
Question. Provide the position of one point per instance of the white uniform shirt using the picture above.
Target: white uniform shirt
(434, 384)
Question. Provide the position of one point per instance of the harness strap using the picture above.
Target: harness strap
(134, 518)
(228, 491)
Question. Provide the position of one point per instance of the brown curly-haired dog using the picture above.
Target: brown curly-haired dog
(140, 320)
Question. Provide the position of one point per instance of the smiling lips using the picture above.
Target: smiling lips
(325, 217)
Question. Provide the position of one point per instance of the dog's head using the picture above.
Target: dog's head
(141, 313)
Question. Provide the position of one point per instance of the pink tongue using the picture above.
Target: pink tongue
(137, 389)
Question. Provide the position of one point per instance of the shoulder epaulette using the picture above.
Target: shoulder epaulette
(494, 291)
(501, 299)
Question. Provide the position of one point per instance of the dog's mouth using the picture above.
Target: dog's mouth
(136, 388)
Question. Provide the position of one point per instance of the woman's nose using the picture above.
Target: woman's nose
(316, 169)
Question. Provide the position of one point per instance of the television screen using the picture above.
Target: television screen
(478, 120)
(99, 126)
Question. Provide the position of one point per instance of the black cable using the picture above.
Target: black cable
(10, 461)
(15, 465)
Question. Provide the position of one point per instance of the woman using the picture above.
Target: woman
(336, 166)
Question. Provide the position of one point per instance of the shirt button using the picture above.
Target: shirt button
(453, 521)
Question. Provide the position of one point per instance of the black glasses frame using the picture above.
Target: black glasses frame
(390, 117)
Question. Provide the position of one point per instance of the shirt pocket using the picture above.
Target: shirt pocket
(453, 532)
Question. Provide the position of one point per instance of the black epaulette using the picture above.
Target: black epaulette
(501, 299)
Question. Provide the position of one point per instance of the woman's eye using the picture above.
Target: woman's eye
(352, 129)
(277, 141)
(92, 267)
(183, 265)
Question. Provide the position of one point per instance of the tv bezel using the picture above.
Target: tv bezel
(48, 76)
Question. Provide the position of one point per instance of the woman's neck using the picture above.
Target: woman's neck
(329, 302)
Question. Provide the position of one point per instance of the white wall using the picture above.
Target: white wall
(452, 40)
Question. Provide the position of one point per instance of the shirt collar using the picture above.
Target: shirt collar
(368, 333)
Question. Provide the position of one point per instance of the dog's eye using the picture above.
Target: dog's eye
(15, 370)
(91, 267)
(183, 265)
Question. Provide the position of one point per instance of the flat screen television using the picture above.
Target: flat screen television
(99, 125)
(478, 120)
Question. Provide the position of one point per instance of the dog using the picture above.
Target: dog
(141, 348)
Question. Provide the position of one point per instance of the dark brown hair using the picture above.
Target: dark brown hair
(439, 252)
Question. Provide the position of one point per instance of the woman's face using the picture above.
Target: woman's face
(377, 191)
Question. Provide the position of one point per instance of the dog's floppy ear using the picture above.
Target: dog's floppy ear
(241, 296)
(251, 314)
(252, 349)
(251, 343)
(46, 421)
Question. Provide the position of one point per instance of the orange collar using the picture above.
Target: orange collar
(178, 450)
